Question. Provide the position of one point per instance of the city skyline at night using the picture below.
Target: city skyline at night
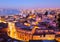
(29, 20)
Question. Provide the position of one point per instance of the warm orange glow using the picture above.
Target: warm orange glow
(26, 35)
(36, 37)
(50, 37)
(36, 27)
(31, 16)
(0, 21)
(58, 39)
(27, 24)
(33, 30)
(11, 28)
(57, 32)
